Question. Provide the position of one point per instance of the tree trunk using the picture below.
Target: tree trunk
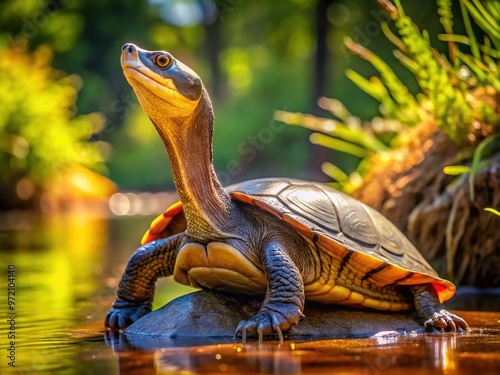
(319, 154)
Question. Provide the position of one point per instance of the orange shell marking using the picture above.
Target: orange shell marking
(159, 224)
(243, 197)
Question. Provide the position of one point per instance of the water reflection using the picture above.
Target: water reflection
(444, 349)
(386, 354)
(230, 358)
(267, 358)
(67, 269)
(58, 266)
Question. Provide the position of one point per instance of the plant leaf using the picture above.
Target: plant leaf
(456, 170)
(476, 160)
(337, 144)
(334, 172)
(468, 28)
(492, 210)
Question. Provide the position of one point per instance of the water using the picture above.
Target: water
(66, 271)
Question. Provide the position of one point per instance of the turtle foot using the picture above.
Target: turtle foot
(124, 313)
(269, 321)
(446, 321)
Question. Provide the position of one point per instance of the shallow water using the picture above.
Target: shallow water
(66, 269)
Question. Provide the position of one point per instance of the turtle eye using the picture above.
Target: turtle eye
(161, 60)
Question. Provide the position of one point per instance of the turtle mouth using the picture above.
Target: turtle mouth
(163, 87)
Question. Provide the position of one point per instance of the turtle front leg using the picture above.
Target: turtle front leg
(429, 308)
(137, 285)
(284, 300)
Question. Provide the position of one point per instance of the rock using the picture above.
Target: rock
(207, 314)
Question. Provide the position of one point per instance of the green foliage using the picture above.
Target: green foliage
(394, 96)
(39, 133)
(458, 93)
(486, 14)
(445, 85)
(448, 105)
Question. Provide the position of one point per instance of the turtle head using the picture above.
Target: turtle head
(174, 98)
(164, 86)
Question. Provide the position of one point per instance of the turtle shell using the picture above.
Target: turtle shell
(338, 224)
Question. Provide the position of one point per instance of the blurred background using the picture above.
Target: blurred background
(66, 108)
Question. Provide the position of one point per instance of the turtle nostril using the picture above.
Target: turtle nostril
(129, 47)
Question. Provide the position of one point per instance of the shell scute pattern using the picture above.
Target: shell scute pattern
(355, 222)
(312, 205)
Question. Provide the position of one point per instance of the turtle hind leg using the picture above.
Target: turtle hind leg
(429, 308)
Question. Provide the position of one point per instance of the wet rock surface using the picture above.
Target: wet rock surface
(207, 314)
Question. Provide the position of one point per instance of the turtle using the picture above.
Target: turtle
(287, 240)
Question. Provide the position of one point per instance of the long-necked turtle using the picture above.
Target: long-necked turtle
(288, 240)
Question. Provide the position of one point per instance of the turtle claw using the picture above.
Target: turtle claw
(245, 326)
(268, 322)
(280, 334)
(124, 313)
(446, 321)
